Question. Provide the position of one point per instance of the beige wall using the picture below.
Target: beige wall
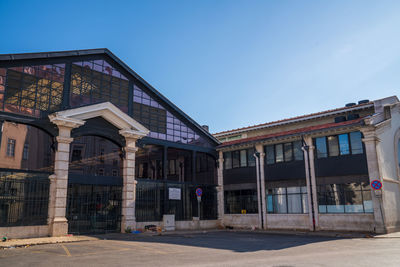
(387, 133)
(25, 231)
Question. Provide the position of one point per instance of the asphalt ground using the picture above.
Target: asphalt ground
(210, 249)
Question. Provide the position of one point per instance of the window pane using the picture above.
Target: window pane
(235, 159)
(356, 143)
(294, 203)
(243, 158)
(288, 152)
(280, 205)
(279, 152)
(297, 151)
(333, 146)
(227, 160)
(270, 154)
(344, 144)
(250, 157)
(320, 143)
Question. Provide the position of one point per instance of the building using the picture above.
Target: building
(313, 172)
(88, 146)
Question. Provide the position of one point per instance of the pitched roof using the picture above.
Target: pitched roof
(294, 119)
(105, 51)
(292, 132)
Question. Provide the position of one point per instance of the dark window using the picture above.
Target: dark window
(250, 157)
(320, 144)
(172, 167)
(243, 158)
(228, 160)
(25, 153)
(235, 159)
(279, 153)
(344, 144)
(11, 147)
(333, 146)
(270, 154)
(241, 201)
(288, 151)
(356, 143)
(297, 150)
(76, 153)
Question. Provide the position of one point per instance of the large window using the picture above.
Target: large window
(95, 156)
(241, 201)
(287, 200)
(336, 145)
(345, 198)
(29, 90)
(239, 158)
(97, 81)
(286, 152)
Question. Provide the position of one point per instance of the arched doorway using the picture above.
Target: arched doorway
(94, 186)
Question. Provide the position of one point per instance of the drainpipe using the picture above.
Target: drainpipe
(307, 148)
(259, 190)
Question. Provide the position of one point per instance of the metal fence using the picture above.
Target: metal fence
(153, 201)
(24, 199)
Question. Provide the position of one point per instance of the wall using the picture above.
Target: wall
(288, 221)
(388, 133)
(184, 225)
(246, 221)
(25, 231)
(346, 222)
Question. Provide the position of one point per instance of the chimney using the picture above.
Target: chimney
(205, 127)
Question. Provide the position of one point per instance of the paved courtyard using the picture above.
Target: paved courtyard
(211, 249)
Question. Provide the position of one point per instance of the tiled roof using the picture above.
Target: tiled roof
(295, 131)
(293, 118)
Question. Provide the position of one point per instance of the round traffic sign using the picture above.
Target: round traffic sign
(376, 184)
(199, 192)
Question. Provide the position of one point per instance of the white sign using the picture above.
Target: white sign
(174, 193)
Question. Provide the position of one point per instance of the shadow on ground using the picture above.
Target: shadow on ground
(225, 240)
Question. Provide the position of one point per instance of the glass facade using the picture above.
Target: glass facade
(345, 198)
(285, 152)
(32, 89)
(95, 156)
(97, 81)
(241, 201)
(239, 158)
(292, 200)
(339, 145)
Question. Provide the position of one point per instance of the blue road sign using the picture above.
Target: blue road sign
(376, 184)
(199, 192)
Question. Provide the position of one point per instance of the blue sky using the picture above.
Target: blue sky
(228, 64)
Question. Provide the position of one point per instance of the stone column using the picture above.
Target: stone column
(370, 140)
(220, 188)
(311, 185)
(129, 183)
(59, 180)
(260, 149)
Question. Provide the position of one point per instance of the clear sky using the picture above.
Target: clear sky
(228, 64)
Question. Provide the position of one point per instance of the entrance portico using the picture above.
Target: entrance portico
(68, 120)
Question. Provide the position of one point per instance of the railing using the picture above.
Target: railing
(24, 199)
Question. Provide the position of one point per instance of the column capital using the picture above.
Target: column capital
(64, 140)
(65, 122)
(131, 134)
(131, 149)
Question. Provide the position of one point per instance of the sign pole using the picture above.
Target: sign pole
(199, 193)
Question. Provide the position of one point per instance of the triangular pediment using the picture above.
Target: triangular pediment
(107, 111)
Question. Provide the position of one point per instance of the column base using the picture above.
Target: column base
(59, 227)
(129, 223)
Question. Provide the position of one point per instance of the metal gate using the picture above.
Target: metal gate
(93, 207)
